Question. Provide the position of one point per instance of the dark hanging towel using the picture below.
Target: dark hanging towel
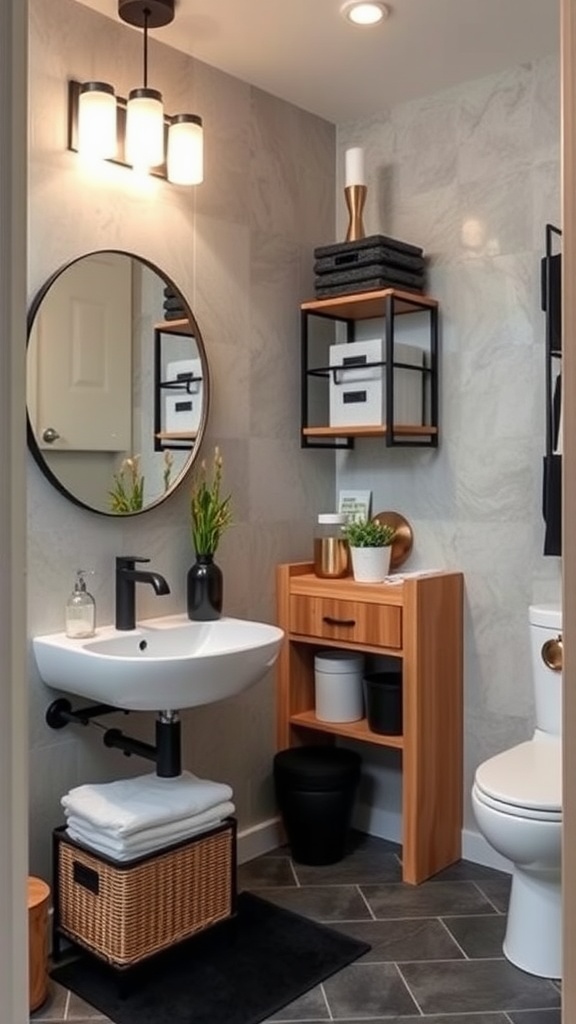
(552, 504)
(551, 299)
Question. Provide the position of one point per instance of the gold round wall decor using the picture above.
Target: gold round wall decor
(403, 536)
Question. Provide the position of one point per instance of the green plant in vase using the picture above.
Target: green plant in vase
(210, 516)
(370, 549)
(368, 533)
(127, 493)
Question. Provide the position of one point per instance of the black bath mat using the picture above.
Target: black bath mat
(239, 972)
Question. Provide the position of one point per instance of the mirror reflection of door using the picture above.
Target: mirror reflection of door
(93, 383)
(83, 362)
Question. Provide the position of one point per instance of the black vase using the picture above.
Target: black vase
(205, 588)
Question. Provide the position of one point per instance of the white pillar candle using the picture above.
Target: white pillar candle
(355, 174)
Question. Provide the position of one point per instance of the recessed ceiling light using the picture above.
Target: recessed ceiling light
(361, 12)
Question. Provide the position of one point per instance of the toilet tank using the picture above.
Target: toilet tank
(546, 652)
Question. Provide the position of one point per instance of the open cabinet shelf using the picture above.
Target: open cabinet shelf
(384, 305)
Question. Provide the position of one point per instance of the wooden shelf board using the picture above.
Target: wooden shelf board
(368, 305)
(174, 326)
(353, 730)
(176, 435)
(375, 430)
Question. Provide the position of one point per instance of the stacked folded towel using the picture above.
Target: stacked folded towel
(132, 817)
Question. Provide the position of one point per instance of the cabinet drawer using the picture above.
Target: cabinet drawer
(358, 622)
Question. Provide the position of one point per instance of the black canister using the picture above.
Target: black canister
(383, 699)
(316, 789)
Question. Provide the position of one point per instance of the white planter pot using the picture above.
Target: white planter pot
(370, 565)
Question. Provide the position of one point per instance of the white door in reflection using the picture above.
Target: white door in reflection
(82, 339)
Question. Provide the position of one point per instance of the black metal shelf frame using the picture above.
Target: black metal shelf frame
(429, 372)
(182, 384)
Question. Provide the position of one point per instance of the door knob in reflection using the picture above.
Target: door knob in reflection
(50, 435)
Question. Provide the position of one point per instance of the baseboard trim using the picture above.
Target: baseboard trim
(388, 825)
(476, 849)
(378, 822)
(259, 839)
(269, 835)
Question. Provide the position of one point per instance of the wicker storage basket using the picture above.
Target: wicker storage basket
(126, 912)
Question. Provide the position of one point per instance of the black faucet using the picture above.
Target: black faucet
(126, 579)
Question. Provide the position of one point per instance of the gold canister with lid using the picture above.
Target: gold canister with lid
(331, 551)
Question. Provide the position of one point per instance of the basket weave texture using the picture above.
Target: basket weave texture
(125, 913)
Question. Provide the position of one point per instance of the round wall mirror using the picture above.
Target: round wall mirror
(117, 383)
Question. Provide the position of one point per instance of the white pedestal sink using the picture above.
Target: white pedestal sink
(167, 662)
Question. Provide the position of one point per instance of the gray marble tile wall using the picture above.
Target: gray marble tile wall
(239, 248)
(472, 174)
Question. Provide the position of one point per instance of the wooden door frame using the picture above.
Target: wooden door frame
(14, 743)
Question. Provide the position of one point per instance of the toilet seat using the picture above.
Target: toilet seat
(525, 781)
(515, 810)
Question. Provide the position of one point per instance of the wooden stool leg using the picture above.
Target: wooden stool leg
(38, 899)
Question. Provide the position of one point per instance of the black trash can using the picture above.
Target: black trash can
(315, 789)
(383, 700)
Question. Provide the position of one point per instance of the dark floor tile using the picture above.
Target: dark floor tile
(362, 841)
(264, 872)
(368, 990)
(311, 1006)
(476, 986)
(54, 1009)
(536, 1017)
(363, 865)
(459, 1018)
(410, 939)
(479, 936)
(431, 899)
(467, 871)
(79, 1012)
(322, 902)
(497, 890)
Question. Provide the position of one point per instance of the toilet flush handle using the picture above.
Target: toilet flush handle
(552, 654)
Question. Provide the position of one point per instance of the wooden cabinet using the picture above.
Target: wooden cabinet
(418, 620)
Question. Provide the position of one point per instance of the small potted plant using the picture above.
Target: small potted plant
(370, 549)
(210, 515)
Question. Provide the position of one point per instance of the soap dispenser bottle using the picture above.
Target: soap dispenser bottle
(80, 610)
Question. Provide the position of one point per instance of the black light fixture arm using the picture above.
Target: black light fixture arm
(145, 69)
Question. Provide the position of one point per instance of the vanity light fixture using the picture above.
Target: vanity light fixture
(137, 132)
(360, 12)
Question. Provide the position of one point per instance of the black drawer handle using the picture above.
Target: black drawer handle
(338, 622)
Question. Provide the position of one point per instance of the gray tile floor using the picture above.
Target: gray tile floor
(436, 948)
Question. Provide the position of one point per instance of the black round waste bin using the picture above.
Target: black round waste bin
(383, 699)
(315, 789)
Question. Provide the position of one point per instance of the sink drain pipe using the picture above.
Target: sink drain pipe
(166, 754)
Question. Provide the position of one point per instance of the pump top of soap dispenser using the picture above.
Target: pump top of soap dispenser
(80, 608)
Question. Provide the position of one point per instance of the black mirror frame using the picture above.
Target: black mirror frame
(31, 437)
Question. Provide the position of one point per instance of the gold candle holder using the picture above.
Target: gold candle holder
(355, 198)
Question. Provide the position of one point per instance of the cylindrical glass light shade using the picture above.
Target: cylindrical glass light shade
(97, 120)
(185, 165)
(144, 129)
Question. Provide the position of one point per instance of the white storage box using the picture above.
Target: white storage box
(183, 406)
(358, 393)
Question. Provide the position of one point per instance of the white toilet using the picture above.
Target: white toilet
(517, 800)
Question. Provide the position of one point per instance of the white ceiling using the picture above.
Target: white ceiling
(305, 52)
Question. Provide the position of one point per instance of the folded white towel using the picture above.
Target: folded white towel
(129, 805)
(120, 851)
(148, 838)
